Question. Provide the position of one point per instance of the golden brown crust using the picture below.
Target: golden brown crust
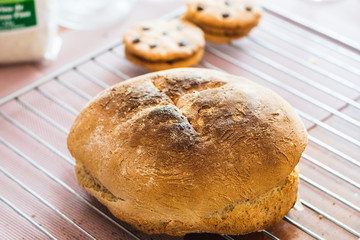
(163, 65)
(181, 144)
(224, 35)
(237, 218)
(223, 39)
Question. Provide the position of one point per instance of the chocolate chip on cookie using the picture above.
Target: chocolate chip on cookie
(136, 40)
(153, 45)
(225, 15)
(183, 43)
(223, 21)
(200, 8)
(163, 44)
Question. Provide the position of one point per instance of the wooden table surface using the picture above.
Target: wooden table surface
(318, 75)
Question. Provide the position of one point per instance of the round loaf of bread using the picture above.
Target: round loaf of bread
(190, 150)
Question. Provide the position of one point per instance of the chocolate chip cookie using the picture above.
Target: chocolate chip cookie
(164, 44)
(224, 20)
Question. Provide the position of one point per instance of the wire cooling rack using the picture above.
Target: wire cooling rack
(318, 74)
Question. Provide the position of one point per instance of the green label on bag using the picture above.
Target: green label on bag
(15, 14)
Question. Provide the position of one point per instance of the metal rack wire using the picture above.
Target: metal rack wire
(325, 93)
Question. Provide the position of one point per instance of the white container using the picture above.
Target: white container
(28, 31)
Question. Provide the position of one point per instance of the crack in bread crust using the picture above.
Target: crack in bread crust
(233, 218)
(90, 182)
(176, 88)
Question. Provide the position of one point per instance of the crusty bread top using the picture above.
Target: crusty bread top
(188, 137)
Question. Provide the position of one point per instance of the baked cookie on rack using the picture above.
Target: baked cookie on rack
(164, 44)
(224, 20)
